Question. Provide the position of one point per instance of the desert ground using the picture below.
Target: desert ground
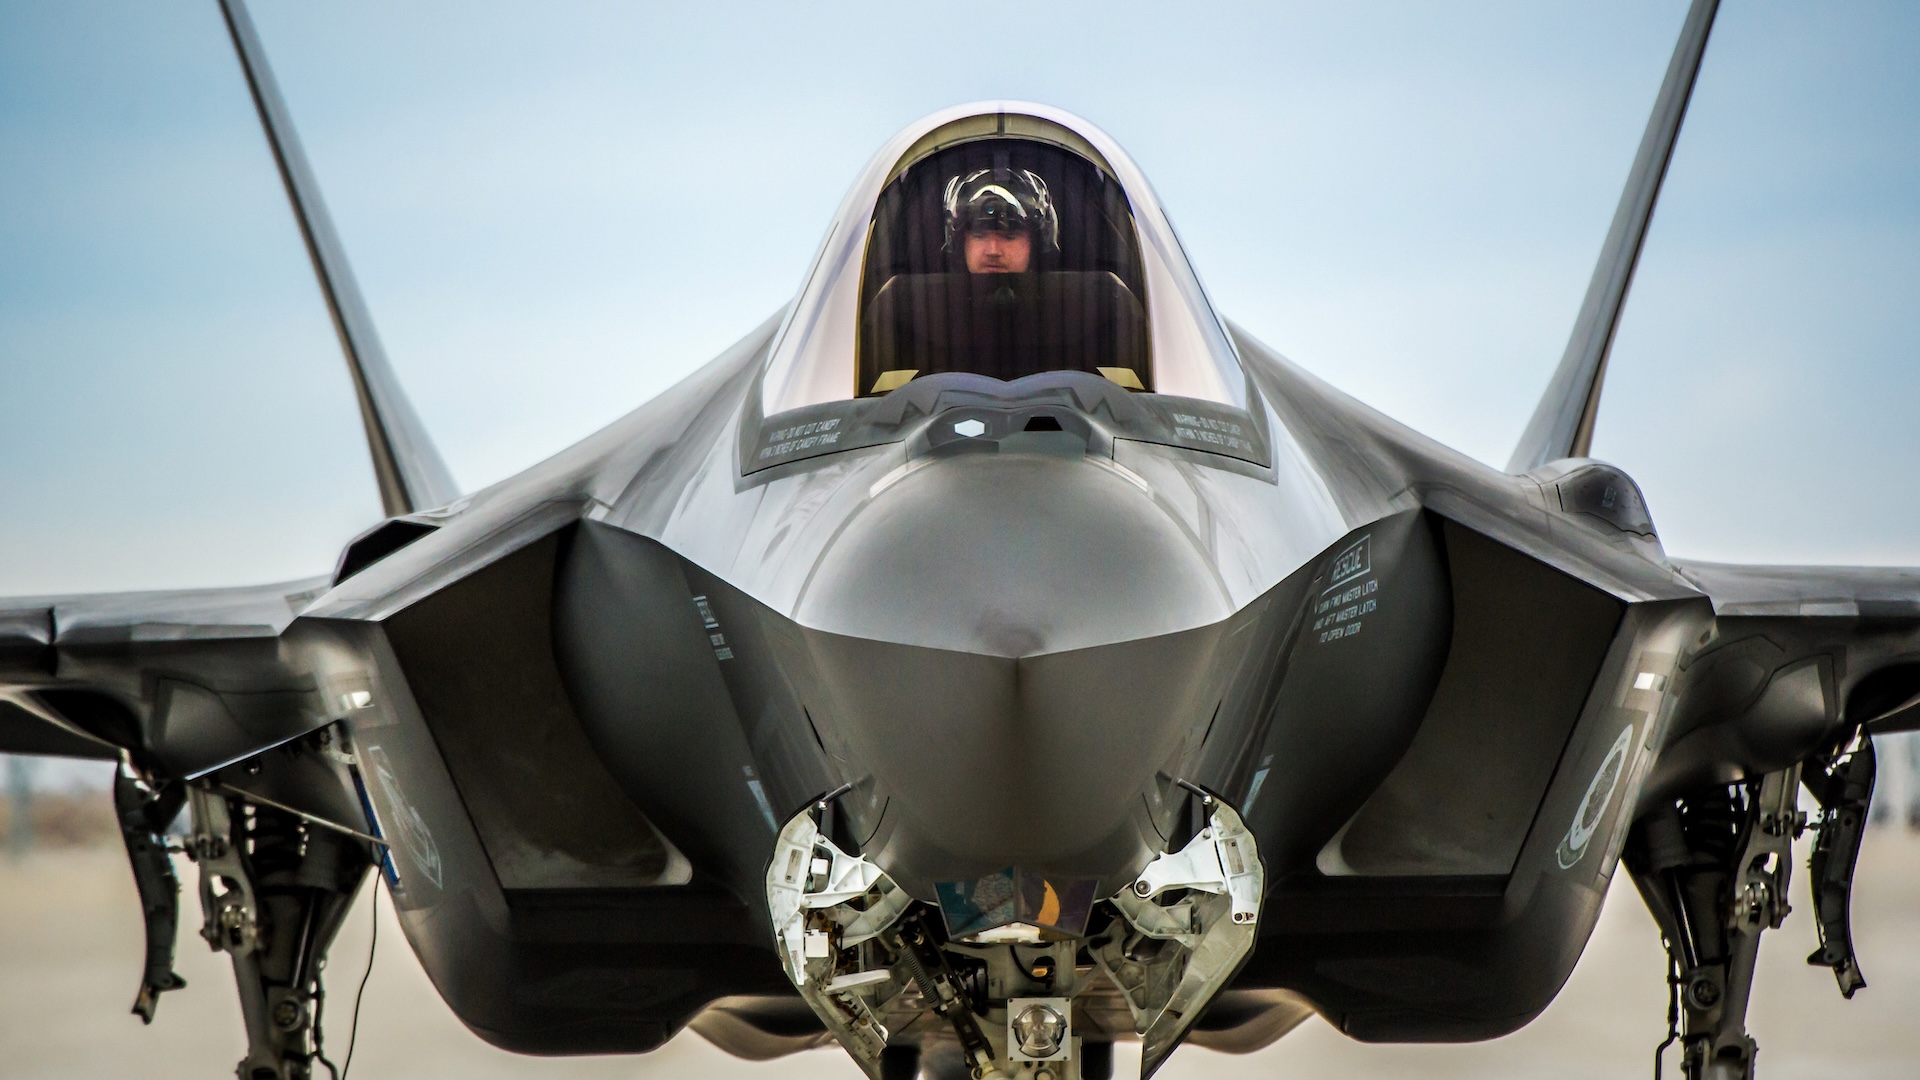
(70, 951)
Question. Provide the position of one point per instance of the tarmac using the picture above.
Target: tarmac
(70, 947)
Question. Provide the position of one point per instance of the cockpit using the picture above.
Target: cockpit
(994, 256)
(1005, 258)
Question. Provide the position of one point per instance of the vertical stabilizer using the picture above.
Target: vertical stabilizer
(408, 469)
(1562, 424)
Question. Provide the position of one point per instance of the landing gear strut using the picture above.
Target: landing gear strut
(1713, 868)
(274, 890)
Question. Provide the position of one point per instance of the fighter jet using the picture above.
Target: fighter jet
(995, 655)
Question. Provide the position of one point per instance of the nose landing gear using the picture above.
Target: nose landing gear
(891, 987)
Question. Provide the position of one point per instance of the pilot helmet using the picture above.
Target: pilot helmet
(1001, 200)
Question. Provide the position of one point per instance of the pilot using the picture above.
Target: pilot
(1001, 215)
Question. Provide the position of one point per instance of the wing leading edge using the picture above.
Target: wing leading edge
(1871, 592)
(183, 681)
(1865, 618)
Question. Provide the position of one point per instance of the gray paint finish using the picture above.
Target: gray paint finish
(1442, 696)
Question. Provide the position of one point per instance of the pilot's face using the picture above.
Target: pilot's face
(998, 252)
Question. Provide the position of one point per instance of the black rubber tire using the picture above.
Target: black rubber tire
(900, 1063)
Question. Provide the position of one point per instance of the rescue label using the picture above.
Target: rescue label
(1341, 607)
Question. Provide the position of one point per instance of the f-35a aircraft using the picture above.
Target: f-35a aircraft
(992, 656)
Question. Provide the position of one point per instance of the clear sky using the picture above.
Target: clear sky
(555, 211)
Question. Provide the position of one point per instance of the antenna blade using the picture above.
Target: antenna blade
(409, 470)
(1562, 424)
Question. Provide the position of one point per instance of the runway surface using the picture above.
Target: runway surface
(70, 952)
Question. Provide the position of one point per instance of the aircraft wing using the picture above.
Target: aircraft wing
(1863, 620)
(185, 681)
(1794, 655)
(1868, 592)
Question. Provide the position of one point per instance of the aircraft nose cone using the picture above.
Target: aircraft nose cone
(971, 764)
(1012, 554)
(1018, 644)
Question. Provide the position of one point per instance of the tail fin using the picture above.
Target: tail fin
(408, 469)
(1562, 424)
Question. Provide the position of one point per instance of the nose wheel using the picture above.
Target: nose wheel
(900, 1063)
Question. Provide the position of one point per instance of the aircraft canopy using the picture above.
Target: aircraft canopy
(1003, 241)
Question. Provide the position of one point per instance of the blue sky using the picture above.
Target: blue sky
(555, 212)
